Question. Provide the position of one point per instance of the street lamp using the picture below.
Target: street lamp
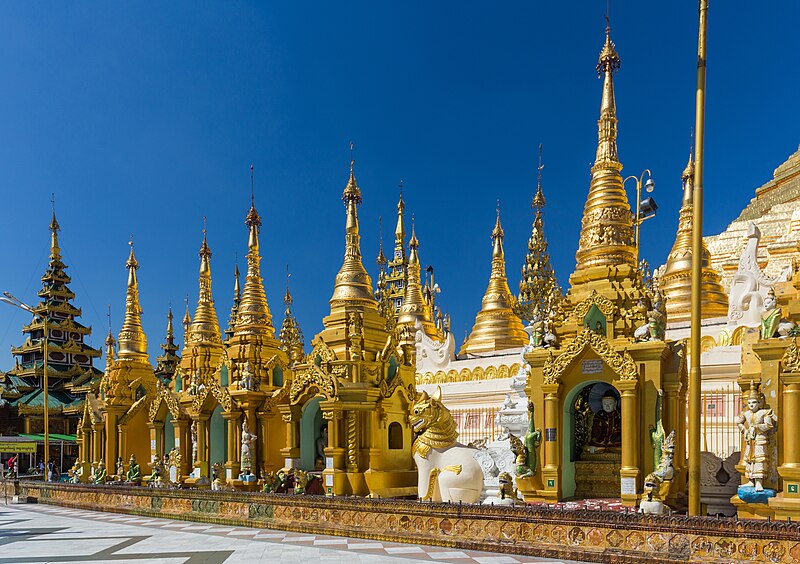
(645, 209)
(7, 298)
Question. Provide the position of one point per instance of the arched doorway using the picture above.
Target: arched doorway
(218, 438)
(591, 445)
(311, 424)
(169, 434)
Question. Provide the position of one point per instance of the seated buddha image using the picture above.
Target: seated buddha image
(606, 428)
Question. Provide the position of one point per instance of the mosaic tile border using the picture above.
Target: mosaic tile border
(598, 536)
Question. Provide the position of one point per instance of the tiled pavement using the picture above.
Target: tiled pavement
(43, 533)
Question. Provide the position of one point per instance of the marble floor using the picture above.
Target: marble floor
(43, 533)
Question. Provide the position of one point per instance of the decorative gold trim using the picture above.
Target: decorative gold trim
(622, 364)
(166, 396)
(467, 375)
(311, 378)
(791, 358)
(605, 306)
(321, 350)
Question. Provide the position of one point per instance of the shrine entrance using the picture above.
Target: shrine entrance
(592, 449)
(169, 434)
(311, 424)
(218, 438)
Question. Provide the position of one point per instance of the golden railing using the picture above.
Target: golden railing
(476, 424)
(720, 408)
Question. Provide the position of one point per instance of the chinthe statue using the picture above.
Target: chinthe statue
(650, 501)
(447, 470)
(756, 424)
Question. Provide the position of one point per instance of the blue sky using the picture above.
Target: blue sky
(144, 117)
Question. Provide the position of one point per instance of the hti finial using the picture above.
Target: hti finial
(109, 318)
(352, 161)
(608, 17)
(401, 188)
(53, 201)
(204, 227)
(252, 186)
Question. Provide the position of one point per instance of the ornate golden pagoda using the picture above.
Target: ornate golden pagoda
(203, 345)
(254, 334)
(167, 363)
(415, 306)
(539, 291)
(607, 226)
(291, 336)
(676, 280)
(128, 385)
(70, 359)
(237, 298)
(595, 356)
(606, 258)
(396, 278)
(496, 327)
(359, 381)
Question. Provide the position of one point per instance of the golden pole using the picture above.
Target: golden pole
(695, 377)
(46, 385)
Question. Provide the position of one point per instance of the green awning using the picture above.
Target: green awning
(54, 437)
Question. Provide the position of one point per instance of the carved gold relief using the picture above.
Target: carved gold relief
(622, 364)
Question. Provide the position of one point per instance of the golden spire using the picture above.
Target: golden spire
(539, 291)
(170, 330)
(353, 285)
(237, 297)
(414, 307)
(187, 322)
(110, 343)
(676, 281)
(253, 316)
(607, 225)
(291, 336)
(132, 340)
(55, 250)
(400, 230)
(205, 327)
(496, 326)
(381, 260)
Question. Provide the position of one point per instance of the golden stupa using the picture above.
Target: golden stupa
(496, 327)
(676, 280)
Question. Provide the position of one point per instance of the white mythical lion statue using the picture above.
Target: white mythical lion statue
(447, 470)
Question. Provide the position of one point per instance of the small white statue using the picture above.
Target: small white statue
(756, 424)
(248, 444)
(550, 339)
(196, 388)
(248, 379)
(508, 403)
(193, 431)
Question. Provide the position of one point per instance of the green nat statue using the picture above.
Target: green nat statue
(100, 473)
(134, 473)
(526, 452)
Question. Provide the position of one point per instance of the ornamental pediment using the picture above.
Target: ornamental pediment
(606, 306)
(621, 364)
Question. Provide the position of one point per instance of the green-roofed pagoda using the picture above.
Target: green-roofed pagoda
(70, 360)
